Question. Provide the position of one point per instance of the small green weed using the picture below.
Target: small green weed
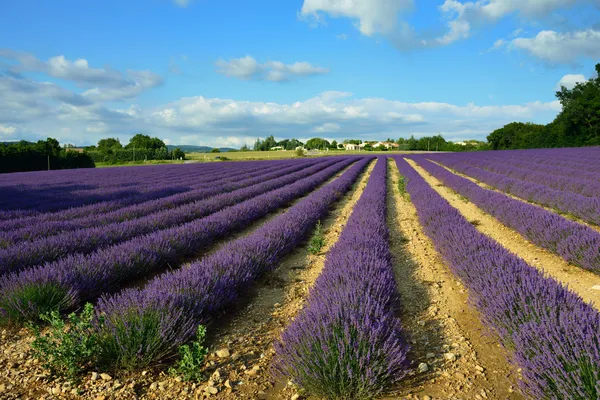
(191, 358)
(67, 351)
(317, 241)
(402, 185)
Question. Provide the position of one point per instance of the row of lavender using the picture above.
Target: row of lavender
(561, 179)
(347, 343)
(576, 243)
(184, 183)
(172, 305)
(553, 335)
(20, 200)
(86, 240)
(578, 205)
(52, 194)
(76, 278)
(150, 209)
(582, 158)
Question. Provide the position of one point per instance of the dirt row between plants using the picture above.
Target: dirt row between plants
(578, 280)
(454, 356)
(512, 196)
(273, 303)
(22, 377)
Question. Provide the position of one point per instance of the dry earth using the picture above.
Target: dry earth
(453, 355)
(578, 280)
(464, 361)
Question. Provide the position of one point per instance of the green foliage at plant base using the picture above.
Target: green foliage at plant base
(67, 350)
(191, 358)
(317, 241)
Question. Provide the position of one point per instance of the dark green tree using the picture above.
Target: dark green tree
(106, 145)
(141, 141)
(317, 143)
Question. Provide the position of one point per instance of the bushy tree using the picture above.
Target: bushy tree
(317, 143)
(109, 144)
(141, 141)
(578, 124)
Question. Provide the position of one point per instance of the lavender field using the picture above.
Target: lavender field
(398, 276)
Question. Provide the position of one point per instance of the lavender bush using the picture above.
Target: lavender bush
(51, 224)
(551, 333)
(545, 190)
(77, 278)
(168, 310)
(86, 240)
(347, 343)
(576, 243)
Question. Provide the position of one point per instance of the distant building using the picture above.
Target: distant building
(350, 146)
(277, 148)
(391, 145)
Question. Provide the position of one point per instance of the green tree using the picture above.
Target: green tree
(109, 144)
(578, 124)
(141, 141)
(317, 143)
(268, 143)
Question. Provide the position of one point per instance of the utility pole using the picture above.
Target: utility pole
(48, 162)
(134, 153)
(427, 144)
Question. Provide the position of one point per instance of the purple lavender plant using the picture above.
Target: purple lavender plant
(347, 343)
(551, 333)
(168, 310)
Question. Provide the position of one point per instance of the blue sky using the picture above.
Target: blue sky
(224, 72)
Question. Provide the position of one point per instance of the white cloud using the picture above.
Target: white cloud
(7, 130)
(371, 16)
(383, 17)
(570, 80)
(105, 83)
(557, 47)
(341, 36)
(327, 127)
(38, 110)
(248, 68)
(483, 12)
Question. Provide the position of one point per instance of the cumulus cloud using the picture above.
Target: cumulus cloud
(341, 36)
(248, 68)
(462, 15)
(39, 109)
(570, 80)
(556, 47)
(105, 83)
(383, 17)
(371, 16)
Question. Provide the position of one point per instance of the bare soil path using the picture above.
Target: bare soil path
(486, 186)
(22, 377)
(578, 280)
(249, 335)
(464, 360)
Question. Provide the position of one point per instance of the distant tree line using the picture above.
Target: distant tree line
(30, 156)
(438, 143)
(140, 148)
(431, 143)
(578, 124)
(270, 142)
